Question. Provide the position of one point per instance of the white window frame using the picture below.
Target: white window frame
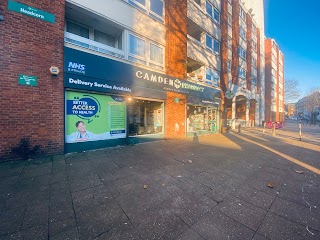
(242, 14)
(242, 73)
(242, 53)
(147, 8)
(212, 81)
(213, 44)
(242, 32)
(213, 10)
(146, 60)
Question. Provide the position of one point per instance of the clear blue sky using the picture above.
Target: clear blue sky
(295, 26)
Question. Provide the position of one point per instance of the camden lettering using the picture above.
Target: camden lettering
(176, 83)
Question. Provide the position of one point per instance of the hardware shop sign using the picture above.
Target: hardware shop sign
(30, 11)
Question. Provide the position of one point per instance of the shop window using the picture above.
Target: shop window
(145, 117)
(201, 118)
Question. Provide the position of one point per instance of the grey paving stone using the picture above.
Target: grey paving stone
(89, 181)
(192, 187)
(11, 220)
(99, 218)
(216, 225)
(258, 236)
(35, 216)
(58, 228)
(123, 231)
(159, 223)
(176, 170)
(37, 232)
(210, 179)
(189, 234)
(254, 196)
(243, 212)
(220, 192)
(27, 196)
(276, 227)
(90, 196)
(308, 216)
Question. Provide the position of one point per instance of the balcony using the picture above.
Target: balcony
(198, 15)
(92, 45)
(198, 52)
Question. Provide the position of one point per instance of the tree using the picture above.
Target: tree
(291, 90)
(312, 103)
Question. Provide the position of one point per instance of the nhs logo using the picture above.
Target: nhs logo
(76, 67)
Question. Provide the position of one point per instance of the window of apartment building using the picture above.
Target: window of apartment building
(254, 45)
(156, 55)
(254, 71)
(212, 77)
(254, 29)
(254, 62)
(242, 32)
(78, 29)
(104, 38)
(274, 58)
(213, 44)
(229, 65)
(253, 79)
(137, 49)
(153, 7)
(230, 19)
(242, 14)
(242, 53)
(145, 52)
(274, 45)
(93, 35)
(213, 12)
(242, 72)
(229, 42)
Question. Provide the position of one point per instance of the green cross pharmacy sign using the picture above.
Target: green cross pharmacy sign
(31, 11)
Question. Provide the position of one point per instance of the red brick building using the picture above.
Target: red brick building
(274, 73)
(121, 77)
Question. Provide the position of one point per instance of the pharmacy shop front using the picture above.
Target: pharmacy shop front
(110, 103)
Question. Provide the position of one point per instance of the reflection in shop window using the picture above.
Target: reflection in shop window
(145, 117)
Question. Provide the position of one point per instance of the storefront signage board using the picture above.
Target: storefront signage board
(31, 11)
(102, 74)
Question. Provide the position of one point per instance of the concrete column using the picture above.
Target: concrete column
(233, 115)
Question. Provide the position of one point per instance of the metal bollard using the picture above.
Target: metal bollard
(239, 128)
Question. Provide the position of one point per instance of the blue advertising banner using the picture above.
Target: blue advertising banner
(91, 72)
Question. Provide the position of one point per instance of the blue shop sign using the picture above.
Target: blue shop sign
(92, 72)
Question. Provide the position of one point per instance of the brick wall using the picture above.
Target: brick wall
(30, 46)
(268, 89)
(175, 116)
(176, 58)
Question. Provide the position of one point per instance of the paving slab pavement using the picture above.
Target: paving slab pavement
(216, 188)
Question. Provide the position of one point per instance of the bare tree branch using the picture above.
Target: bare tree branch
(291, 91)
